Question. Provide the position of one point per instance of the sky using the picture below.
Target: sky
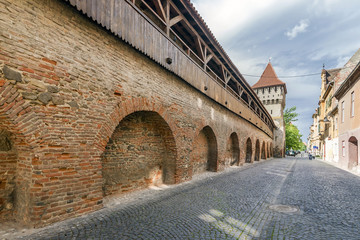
(299, 36)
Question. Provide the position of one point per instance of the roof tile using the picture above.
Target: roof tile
(268, 78)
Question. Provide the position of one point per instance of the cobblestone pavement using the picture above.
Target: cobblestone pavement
(291, 198)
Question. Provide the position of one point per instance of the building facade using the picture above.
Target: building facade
(100, 98)
(349, 126)
(314, 142)
(333, 132)
(327, 116)
(272, 92)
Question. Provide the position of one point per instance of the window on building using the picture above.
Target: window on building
(343, 148)
(270, 111)
(263, 90)
(336, 123)
(342, 111)
(269, 90)
(352, 110)
(275, 89)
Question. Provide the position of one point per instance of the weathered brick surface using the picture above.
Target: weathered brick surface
(232, 157)
(92, 113)
(7, 173)
(204, 153)
(141, 152)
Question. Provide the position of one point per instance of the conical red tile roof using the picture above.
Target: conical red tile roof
(269, 79)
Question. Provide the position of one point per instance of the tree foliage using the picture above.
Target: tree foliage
(290, 115)
(293, 136)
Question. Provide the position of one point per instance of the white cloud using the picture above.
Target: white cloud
(227, 17)
(301, 27)
(341, 61)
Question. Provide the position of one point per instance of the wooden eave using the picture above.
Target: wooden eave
(205, 32)
(176, 13)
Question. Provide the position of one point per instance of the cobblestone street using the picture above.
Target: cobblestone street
(291, 198)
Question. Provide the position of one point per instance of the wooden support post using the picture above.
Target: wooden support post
(160, 9)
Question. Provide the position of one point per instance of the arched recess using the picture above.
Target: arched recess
(269, 150)
(204, 154)
(263, 151)
(248, 151)
(8, 162)
(353, 152)
(141, 152)
(257, 150)
(20, 133)
(233, 151)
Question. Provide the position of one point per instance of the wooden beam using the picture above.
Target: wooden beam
(208, 58)
(160, 9)
(167, 7)
(198, 47)
(175, 20)
(241, 90)
(153, 11)
(226, 75)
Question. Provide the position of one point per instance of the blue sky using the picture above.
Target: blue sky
(298, 35)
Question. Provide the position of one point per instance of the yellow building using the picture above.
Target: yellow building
(335, 130)
(348, 95)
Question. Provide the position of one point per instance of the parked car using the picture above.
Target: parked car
(292, 153)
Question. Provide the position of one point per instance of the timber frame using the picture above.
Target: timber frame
(181, 24)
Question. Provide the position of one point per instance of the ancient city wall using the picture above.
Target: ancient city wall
(84, 115)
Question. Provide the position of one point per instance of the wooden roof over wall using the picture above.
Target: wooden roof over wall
(169, 29)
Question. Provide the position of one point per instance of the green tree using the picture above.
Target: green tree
(293, 137)
(290, 115)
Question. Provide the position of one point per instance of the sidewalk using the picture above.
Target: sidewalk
(337, 166)
(12, 230)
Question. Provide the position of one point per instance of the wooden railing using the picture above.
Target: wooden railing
(130, 23)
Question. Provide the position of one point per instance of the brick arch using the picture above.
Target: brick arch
(23, 130)
(204, 154)
(232, 150)
(141, 152)
(133, 105)
(257, 150)
(249, 150)
(263, 151)
(127, 107)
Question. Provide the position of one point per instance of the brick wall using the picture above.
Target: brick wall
(141, 152)
(7, 174)
(232, 157)
(204, 155)
(71, 92)
(249, 151)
